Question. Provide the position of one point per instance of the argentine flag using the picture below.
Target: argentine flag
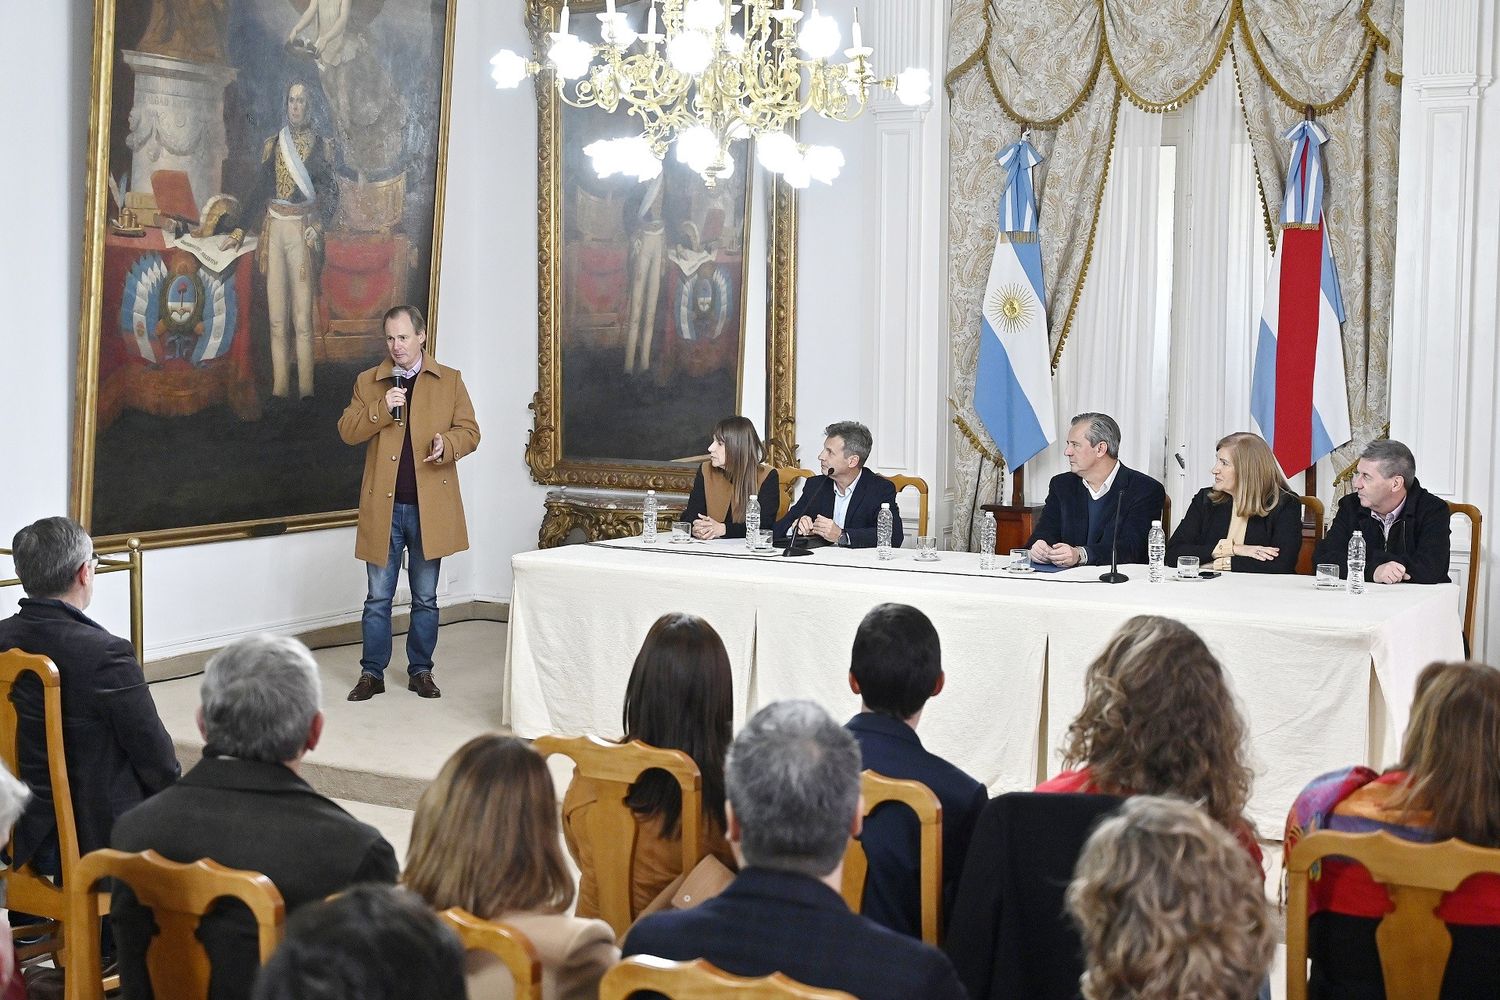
(1298, 397)
(1013, 383)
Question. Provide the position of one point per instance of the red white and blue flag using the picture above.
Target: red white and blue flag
(1298, 396)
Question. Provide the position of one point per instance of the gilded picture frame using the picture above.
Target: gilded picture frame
(265, 178)
(656, 436)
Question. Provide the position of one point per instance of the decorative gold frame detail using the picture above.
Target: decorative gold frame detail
(95, 227)
(544, 444)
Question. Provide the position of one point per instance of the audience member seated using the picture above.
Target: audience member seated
(680, 697)
(724, 484)
(1158, 719)
(793, 785)
(1447, 785)
(1249, 520)
(895, 667)
(245, 806)
(13, 796)
(372, 942)
(1084, 506)
(842, 506)
(1168, 907)
(118, 751)
(485, 838)
(1405, 527)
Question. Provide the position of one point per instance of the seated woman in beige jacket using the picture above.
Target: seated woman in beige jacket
(485, 838)
(680, 696)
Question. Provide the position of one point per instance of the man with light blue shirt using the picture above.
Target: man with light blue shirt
(841, 506)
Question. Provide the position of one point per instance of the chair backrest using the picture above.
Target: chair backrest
(178, 895)
(1314, 508)
(1476, 524)
(877, 789)
(505, 943)
(701, 981)
(787, 476)
(614, 767)
(920, 485)
(1413, 942)
(1166, 515)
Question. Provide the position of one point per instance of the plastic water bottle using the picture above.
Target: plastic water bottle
(648, 518)
(1356, 563)
(987, 541)
(1156, 551)
(883, 533)
(752, 520)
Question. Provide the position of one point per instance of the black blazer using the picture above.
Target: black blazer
(118, 751)
(870, 491)
(769, 921)
(1419, 538)
(1207, 523)
(251, 815)
(1065, 518)
(892, 838)
(769, 495)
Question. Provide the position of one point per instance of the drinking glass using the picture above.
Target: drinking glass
(1020, 560)
(1328, 577)
(927, 548)
(762, 540)
(681, 532)
(1187, 567)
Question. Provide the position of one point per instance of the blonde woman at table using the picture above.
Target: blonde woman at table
(1158, 719)
(1249, 520)
(681, 697)
(1446, 785)
(485, 838)
(734, 472)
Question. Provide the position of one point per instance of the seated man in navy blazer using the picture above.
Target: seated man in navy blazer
(841, 505)
(896, 666)
(1077, 527)
(792, 780)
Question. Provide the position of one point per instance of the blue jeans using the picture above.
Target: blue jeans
(422, 574)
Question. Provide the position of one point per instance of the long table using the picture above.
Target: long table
(1324, 679)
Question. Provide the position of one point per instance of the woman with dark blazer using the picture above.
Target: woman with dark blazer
(724, 484)
(1249, 521)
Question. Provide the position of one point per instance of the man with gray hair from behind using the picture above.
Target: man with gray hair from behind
(245, 805)
(792, 781)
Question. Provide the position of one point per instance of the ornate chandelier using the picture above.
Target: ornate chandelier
(716, 73)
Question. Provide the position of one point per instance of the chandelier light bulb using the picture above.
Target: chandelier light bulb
(615, 29)
(703, 15)
(819, 36)
(734, 43)
(690, 52)
(631, 156)
(776, 151)
(507, 69)
(914, 87)
(570, 56)
(697, 147)
(796, 173)
(726, 171)
(823, 163)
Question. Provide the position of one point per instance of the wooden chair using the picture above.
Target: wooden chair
(178, 896)
(920, 485)
(787, 476)
(614, 767)
(1166, 515)
(917, 797)
(505, 943)
(1476, 524)
(701, 981)
(1314, 508)
(1413, 943)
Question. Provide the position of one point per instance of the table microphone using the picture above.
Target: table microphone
(1114, 575)
(398, 412)
(791, 547)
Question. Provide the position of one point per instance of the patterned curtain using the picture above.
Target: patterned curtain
(1061, 67)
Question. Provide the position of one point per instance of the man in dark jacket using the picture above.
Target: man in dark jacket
(118, 751)
(1405, 527)
(245, 806)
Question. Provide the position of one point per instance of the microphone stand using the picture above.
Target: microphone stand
(791, 549)
(1114, 575)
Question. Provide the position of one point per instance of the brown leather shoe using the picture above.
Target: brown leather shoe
(423, 685)
(367, 688)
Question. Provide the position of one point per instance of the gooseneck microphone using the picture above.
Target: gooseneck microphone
(400, 411)
(791, 546)
(1114, 575)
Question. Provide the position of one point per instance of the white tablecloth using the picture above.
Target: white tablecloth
(1311, 669)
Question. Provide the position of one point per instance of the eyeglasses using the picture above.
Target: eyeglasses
(94, 561)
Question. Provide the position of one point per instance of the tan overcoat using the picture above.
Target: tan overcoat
(440, 405)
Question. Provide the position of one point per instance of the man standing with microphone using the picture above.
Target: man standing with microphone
(407, 504)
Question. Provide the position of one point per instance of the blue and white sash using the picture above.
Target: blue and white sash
(294, 163)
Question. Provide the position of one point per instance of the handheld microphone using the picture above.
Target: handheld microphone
(791, 547)
(400, 411)
(1114, 575)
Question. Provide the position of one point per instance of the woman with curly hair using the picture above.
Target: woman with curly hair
(1158, 719)
(1168, 906)
(1446, 786)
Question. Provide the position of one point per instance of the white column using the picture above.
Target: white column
(177, 122)
(1443, 357)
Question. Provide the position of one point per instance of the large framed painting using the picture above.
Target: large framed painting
(664, 305)
(265, 180)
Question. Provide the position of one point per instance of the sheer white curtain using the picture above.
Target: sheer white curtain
(1110, 361)
(1222, 259)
